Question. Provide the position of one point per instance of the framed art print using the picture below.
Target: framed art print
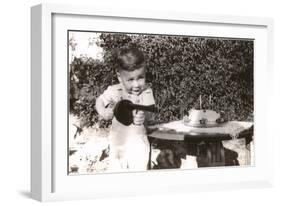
(135, 102)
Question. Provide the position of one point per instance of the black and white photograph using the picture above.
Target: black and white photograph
(142, 102)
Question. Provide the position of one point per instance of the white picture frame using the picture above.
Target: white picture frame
(49, 182)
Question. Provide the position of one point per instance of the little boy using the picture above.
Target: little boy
(129, 146)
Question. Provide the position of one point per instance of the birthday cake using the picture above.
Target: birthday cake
(202, 118)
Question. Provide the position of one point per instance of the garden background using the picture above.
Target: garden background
(179, 70)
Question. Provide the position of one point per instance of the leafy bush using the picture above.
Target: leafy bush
(179, 69)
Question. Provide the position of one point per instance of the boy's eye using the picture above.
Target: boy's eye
(138, 78)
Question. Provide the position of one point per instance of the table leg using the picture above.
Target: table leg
(218, 155)
(222, 154)
(215, 154)
(209, 154)
(249, 151)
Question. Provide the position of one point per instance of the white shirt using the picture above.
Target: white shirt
(114, 94)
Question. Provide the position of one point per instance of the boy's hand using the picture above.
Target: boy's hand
(107, 114)
(138, 117)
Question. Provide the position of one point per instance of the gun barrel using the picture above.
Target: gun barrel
(149, 108)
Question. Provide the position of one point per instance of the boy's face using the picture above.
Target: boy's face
(133, 81)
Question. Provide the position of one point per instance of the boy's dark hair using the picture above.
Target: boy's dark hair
(130, 59)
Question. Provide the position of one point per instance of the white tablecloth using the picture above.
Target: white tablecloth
(233, 128)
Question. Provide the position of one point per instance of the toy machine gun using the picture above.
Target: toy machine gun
(123, 111)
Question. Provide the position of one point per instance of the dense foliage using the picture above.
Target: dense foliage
(179, 69)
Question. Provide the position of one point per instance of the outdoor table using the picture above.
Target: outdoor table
(211, 136)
